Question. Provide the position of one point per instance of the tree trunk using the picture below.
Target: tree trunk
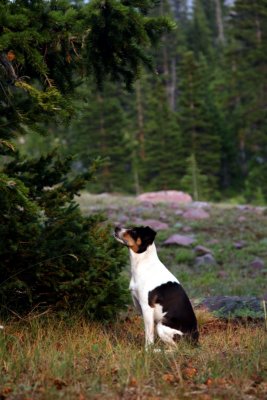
(219, 22)
(103, 138)
(140, 121)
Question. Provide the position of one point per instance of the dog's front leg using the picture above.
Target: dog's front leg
(149, 326)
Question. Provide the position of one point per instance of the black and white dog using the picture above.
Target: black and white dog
(156, 293)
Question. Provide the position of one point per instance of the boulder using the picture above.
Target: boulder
(178, 212)
(154, 224)
(200, 204)
(233, 306)
(239, 245)
(165, 196)
(180, 240)
(206, 259)
(186, 229)
(201, 250)
(195, 214)
(257, 264)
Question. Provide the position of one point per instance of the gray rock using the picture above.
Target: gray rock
(244, 207)
(178, 212)
(233, 306)
(123, 218)
(165, 196)
(195, 214)
(257, 264)
(180, 240)
(154, 224)
(222, 274)
(200, 204)
(206, 259)
(201, 250)
(186, 229)
(239, 245)
(213, 241)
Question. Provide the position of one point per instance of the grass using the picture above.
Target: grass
(227, 226)
(45, 358)
(51, 359)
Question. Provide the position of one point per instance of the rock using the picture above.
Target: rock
(200, 204)
(186, 229)
(206, 259)
(178, 225)
(222, 274)
(213, 241)
(233, 306)
(242, 218)
(260, 210)
(178, 212)
(239, 245)
(154, 224)
(195, 214)
(244, 207)
(165, 196)
(122, 219)
(201, 250)
(162, 215)
(180, 240)
(257, 264)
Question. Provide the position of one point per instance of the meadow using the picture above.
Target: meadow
(44, 357)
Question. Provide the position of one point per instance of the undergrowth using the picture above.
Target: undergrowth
(46, 358)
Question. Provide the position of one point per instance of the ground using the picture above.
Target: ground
(44, 358)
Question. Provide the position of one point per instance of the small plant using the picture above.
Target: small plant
(194, 181)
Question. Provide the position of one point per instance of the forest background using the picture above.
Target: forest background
(141, 95)
(115, 90)
(196, 123)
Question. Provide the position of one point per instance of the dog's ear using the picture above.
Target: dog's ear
(150, 235)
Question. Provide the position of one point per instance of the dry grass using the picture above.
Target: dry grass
(49, 359)
(46, 359)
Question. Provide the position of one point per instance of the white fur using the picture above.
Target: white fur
(148, 272)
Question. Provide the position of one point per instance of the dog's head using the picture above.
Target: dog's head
(138, 239)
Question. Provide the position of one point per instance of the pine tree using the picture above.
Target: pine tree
(196, 115)
(200, 38)
(195, 183)
(162, 165)
(50, 254)
(247, 60)
(100, 130)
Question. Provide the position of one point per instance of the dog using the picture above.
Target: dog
(156, 292)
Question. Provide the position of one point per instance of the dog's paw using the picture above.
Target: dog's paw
(157, 350)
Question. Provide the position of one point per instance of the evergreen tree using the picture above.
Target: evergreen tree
(200, 38)
(162, 163)
(100, 130)
(194, 182)
(247, 60)
(196, 115)
(50, 254)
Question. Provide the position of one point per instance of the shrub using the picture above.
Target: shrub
(51, 255)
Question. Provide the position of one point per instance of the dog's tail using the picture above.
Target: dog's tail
(168, 334)
(171, 335)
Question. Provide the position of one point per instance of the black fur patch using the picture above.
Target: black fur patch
(179, 311)
(146, 234)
